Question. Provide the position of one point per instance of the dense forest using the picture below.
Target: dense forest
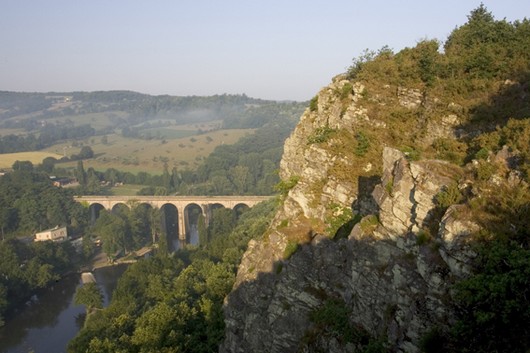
(28, 203)
(173, 302)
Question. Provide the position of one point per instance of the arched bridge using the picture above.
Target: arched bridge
(181, 203)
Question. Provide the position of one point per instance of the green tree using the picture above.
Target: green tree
(90, 296)
(222, 223)
(80, 174)
(86, 153)
(241, 178)
(48, 164)
(26, 166)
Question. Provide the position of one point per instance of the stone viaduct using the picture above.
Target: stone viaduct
(181, 203)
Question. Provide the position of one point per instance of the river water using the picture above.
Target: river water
(51, 319)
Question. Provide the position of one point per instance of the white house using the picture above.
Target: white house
(57, 234)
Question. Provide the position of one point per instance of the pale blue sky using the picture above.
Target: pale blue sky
(266, 49)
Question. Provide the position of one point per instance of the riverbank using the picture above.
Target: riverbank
(101, 260)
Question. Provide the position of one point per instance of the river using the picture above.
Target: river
(51, 319)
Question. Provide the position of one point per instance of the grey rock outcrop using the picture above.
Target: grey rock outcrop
(394, 285)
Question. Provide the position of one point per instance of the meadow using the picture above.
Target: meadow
(136, 155)
(35, 157)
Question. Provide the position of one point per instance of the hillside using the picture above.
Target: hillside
(404, 221)
(127, 137)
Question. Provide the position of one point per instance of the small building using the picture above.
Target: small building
(57, 234)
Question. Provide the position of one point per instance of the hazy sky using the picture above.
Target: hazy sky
(267, 49)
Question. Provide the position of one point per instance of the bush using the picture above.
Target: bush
(284, 186)
(482, 153)
(346, 90)
(320, 135)
(450, 195)
(313, 104)
(485, 170)
(363, 143)
(423, 237)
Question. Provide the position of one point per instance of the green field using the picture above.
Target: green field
(7, 159)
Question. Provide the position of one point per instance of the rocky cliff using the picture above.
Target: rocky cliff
(390, 273)
(379, 181)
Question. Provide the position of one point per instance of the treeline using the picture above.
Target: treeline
(483, 58)
(138, 107)
(26, 267)
(128, 229)
(29, 203)
(17, 103)
(174, 303)
(248, 167)
(48, 136)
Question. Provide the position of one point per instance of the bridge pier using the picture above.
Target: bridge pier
(179, 202)
(181, 225)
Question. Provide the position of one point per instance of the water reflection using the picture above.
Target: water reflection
(47, 323)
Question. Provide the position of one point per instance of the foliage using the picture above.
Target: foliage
(359, 62)
(291, 247)
(412, 153)
(493, 303)
(29, 203)
(346, 90)
(515, 136)
(369, 223)
(333, 319)
(48, 135)
(127, 230)
(313, 104)
(450, 195)
(450, 150)
(363, 143)
(340, 222)
(26, 267)
(283, 187)
(174, 303)
(423, 237)
(320, 135)
(482, 153)
(89, 295)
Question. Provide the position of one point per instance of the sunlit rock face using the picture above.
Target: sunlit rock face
(392, 272)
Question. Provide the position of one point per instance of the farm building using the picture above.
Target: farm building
(57, 234)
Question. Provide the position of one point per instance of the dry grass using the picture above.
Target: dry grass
(135, 155)
(7, 159)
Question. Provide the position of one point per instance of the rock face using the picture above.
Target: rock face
(314, 163)
(394, 284)
(392, 272)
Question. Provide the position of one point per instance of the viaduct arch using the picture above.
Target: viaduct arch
(205, 203)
